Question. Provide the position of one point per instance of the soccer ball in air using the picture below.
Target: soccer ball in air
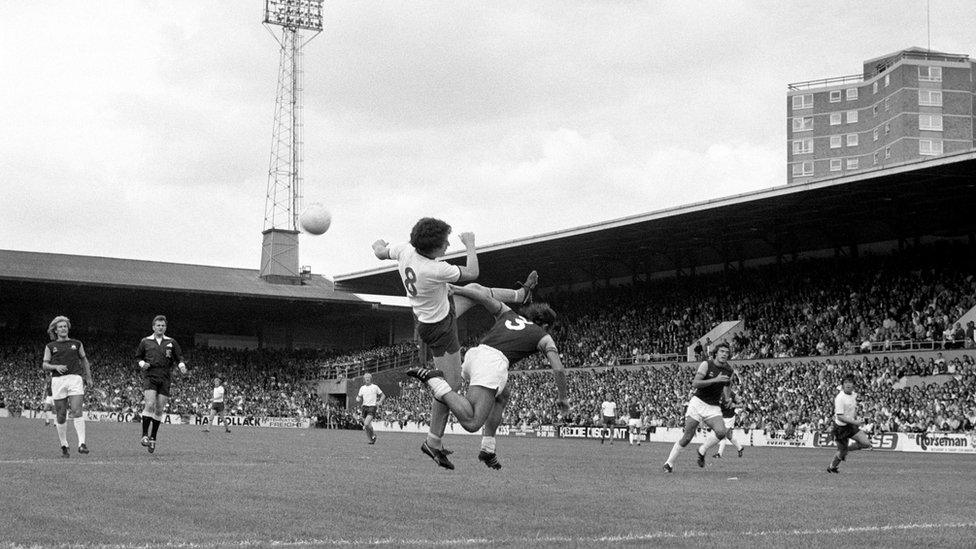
(315, 219)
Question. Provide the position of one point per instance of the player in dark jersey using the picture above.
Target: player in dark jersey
(711, 386)
(634, 424)
(513, 337)
(65, 358)
(157, 354)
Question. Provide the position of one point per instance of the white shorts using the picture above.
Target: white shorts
(729, 422)
(65, 386)
(634, 422)
(485, 366)
(699, 410)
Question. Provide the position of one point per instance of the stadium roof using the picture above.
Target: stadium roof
(153, 275)
(935, 197)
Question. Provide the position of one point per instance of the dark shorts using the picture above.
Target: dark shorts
(440, 337)
(609, 421)
(843, 433)
(369, 411)
(158, 384)
(217, 407)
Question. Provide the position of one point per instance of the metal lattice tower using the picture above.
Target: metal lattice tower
(284, 196)
(283, 202)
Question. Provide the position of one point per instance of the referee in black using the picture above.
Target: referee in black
(156, 355)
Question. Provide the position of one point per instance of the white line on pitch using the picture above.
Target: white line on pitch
(525, 541)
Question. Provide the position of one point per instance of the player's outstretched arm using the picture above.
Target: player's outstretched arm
(559, 373)
(471, 269)
(381, 249)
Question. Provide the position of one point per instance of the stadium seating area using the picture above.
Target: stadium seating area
(794, 395)
(258, 383)
(908, 299)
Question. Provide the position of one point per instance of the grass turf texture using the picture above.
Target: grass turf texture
(261, 487)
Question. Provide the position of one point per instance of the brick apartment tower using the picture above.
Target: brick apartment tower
(911, 105)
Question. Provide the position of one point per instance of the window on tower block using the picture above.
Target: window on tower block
(804, 101)
(835, 164)
(851, 94)
(930, 122)
(803, 146)
(834, 118)
(852, 163)
(803, 124)
(835, 142)
(852, 140)
(931, 98)
(851, 117)
(930, 74)
(929, 147)
(834, 96)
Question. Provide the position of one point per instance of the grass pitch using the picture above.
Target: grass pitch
(295, 487)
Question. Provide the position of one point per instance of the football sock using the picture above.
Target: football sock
(507, 296)
(735, 443)
(155, 427)
(721, 446)
(80, 429)
(675, 450)
(440, 386)
(146, 421)
(488, 444)
(63, 433)
(434, 441)
(835, 462)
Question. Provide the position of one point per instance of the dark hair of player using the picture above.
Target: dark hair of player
(848, 377)
(539, 313)
(719, 346)
(158, 318)
(428, 234)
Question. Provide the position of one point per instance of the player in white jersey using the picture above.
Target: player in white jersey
(427, 282)
(608, 411)
(846, 425)
(370, 396)
(217, 407)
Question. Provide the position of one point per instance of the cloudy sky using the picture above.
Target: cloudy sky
(143, 129)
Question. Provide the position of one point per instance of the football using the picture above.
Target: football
(316, 219)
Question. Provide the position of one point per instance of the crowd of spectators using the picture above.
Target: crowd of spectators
(257, 382)
(790, 395)
(792, 309)
(908, 299)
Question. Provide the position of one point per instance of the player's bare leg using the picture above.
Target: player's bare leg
(450, 365)
(368, 428)
(691, 425)
(471, 410)
(523, 294)
(717, 424)
(860, 441)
